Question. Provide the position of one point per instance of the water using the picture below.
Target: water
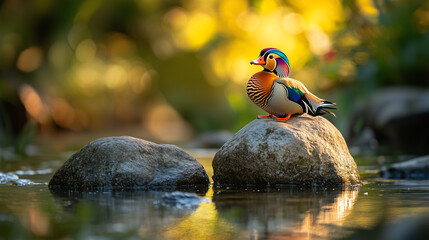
(372, 211)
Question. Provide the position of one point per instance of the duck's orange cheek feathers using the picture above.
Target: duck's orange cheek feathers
(271, 64)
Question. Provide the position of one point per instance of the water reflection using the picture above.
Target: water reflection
(383, 208)
(204, 223)
(287, 213)
(216, 214)
(128, 213)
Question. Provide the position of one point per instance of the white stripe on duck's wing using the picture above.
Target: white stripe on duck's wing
(309, 102)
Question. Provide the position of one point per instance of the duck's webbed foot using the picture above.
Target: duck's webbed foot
(284, 118)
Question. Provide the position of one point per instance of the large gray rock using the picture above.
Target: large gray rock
(128, 162)
(303, 150)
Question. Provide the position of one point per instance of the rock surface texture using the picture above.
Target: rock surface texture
(128, 162)
(303, 150)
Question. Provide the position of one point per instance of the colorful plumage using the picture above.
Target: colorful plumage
(279, 95)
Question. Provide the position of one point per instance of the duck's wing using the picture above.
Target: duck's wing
(309, 102)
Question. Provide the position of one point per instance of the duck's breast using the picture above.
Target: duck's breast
(279, 104)
(259, 87)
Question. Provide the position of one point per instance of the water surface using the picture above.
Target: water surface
(31, 211)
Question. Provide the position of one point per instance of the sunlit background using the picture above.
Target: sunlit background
(175, 71)
(170, 70)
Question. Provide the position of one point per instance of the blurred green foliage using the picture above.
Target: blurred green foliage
(377, 48)
(389, 48)
(184, 64)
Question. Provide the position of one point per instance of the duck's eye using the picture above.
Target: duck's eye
(271, 57)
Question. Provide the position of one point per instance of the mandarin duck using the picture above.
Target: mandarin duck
(281, 96)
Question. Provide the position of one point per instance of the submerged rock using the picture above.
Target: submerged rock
(303, 150)
(414, 227)
(128, 162)
(417, 168)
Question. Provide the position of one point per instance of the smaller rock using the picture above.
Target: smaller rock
(417, 168)
(124, 162)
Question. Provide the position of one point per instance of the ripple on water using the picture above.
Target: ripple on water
(33, 172)
(12, 178)
(180, 200)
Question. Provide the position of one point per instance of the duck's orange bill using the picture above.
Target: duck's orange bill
(259, 61)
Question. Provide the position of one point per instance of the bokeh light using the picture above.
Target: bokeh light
(114, 62)
(29, 59)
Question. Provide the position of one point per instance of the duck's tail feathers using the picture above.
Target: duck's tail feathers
(316, 106)
(324, 109)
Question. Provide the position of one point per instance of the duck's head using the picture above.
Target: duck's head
(273, 60)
